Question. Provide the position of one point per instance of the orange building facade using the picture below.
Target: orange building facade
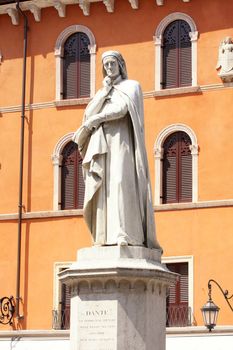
(195, 231)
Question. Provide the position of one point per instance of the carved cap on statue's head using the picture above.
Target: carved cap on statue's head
(120, 61)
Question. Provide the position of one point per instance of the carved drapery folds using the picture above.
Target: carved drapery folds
(225, 60)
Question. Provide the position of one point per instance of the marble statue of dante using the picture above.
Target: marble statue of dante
(117, 204)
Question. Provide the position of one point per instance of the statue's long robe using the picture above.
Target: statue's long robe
(118, 201)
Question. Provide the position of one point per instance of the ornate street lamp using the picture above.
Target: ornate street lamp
(210, 310)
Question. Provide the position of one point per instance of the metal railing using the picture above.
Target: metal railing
(179, 316)
(61, 319)
(7, 310)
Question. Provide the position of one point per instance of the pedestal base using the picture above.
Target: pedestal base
(118, 299)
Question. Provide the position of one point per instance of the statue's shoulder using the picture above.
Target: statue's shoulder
(130, 86)
(130, 82)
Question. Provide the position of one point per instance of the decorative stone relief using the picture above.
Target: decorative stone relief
(134, 4)
(36, 11)
(85, 6)
(61, 8)
(109, 5)
(225, 60)
(103, 285)
(13, 13)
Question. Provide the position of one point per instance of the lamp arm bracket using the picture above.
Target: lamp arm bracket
(225, 293)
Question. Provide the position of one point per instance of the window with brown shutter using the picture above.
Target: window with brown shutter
(76, 66)
(65, 306)
(177, 169)
(178, 312)
(177, 55)
(72, 183)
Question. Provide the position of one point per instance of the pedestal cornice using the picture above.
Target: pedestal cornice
(119, 267)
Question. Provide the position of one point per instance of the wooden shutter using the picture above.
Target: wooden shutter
(177, 301)
(170, 171)
(185, 55)
(177, 169)
(72, 183)
(177, 67)
(170, 56)
(65, 306)
(76, 66)
(84, 65)
(185, 168)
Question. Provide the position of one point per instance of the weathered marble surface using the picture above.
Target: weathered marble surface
(118, 203)
(118, 298)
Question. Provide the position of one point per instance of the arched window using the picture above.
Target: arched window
(176, 165)
(176, 52)
(72, 183)
(75, 52)
(177, 55)
(177, 169)
(76, 66)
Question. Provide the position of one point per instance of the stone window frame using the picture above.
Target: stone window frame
(158, 48)
(57, 163)
(158, 152)
(57, 268)
(190, 260)
(59, 52)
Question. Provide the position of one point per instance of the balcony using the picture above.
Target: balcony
(179, 316)
(61, 319)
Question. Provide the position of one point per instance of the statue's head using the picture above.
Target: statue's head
(114, 63)
(228, 40)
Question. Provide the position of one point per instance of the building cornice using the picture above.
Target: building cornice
(35, 7)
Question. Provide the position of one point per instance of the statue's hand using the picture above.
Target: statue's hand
(92, 123)
(107, 85)
(81, 136)
(107, 82)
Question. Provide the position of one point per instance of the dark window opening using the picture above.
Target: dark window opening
(178, 311)
(177, 55)
(177, 169)
(72, 183)
(76, 66)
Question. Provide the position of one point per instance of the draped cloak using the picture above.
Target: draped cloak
(94, 152)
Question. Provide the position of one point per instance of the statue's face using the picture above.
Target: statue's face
(111, 67)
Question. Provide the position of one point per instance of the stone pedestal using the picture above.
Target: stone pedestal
(118, 299)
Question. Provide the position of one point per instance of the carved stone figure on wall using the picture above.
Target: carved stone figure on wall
(117, 204)
(225, 60)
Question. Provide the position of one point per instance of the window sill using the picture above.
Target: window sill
(79, 212)
(43, 214)
(72, 102)
(192, 205)
(177, 91)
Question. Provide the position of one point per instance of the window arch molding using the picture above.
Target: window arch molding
(158, 151)
(158, 45)
(59, 51)
(57, 163)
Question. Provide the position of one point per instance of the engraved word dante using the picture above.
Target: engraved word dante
(96, 313)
